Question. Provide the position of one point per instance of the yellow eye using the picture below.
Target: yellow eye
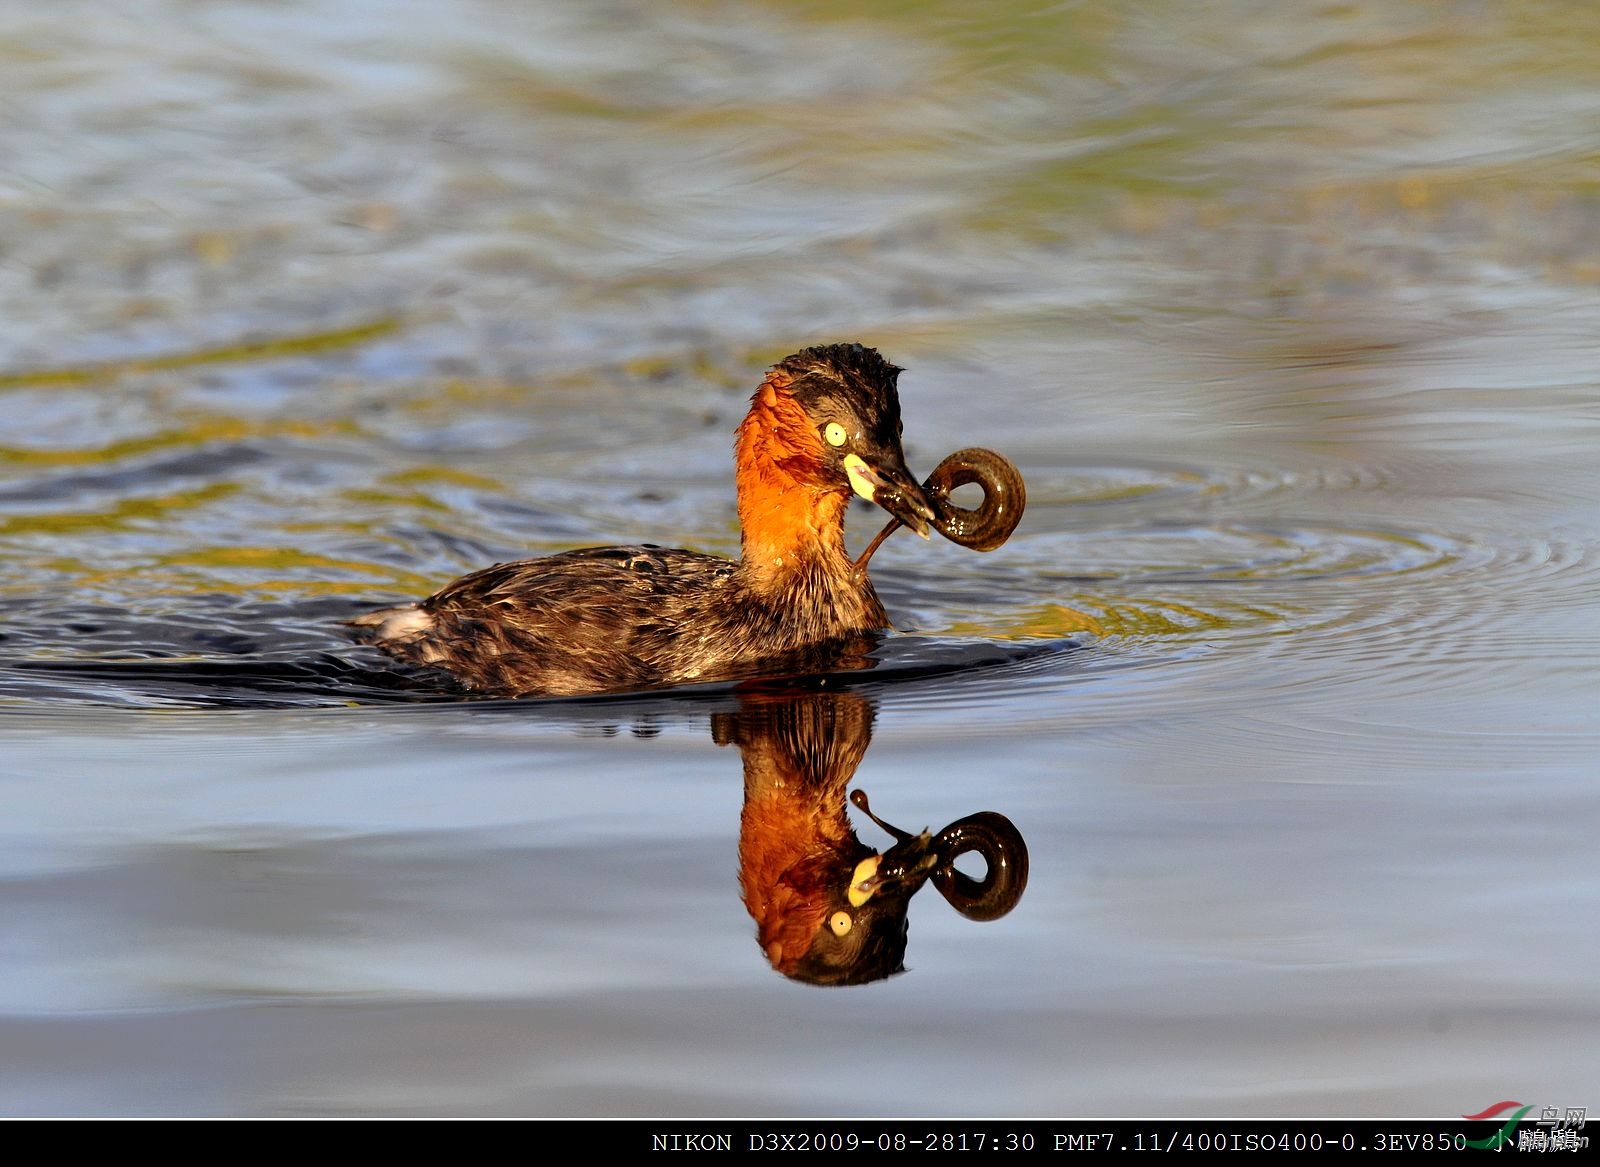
(835, 434)
(841, 923)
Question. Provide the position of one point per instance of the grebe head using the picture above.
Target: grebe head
(848, 392)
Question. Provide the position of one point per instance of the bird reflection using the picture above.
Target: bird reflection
(828, 909)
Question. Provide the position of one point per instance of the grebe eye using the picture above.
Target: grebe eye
(840, 923)
(835, 434)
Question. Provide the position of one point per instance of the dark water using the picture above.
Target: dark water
(1289, 678)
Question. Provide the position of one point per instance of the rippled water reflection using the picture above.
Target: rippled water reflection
(1288, 678)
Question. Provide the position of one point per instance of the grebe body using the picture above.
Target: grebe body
(824, 424)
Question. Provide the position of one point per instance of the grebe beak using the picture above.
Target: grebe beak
(899, 871)
(903, 867)
(890, 485)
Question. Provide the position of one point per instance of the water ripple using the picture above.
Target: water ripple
(1056, 611)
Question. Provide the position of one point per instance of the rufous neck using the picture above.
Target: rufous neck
(788, 513)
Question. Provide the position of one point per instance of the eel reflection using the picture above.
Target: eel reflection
(829, 909)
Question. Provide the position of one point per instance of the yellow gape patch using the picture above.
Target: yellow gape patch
(862, 480)
(864, 871)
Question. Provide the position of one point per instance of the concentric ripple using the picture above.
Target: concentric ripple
(1241, 553)
(209, 564)
(1132, 484)
(991, 630)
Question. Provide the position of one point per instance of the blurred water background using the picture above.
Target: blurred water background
(1287, 311)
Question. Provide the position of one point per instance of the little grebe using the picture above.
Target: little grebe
(823, 424)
